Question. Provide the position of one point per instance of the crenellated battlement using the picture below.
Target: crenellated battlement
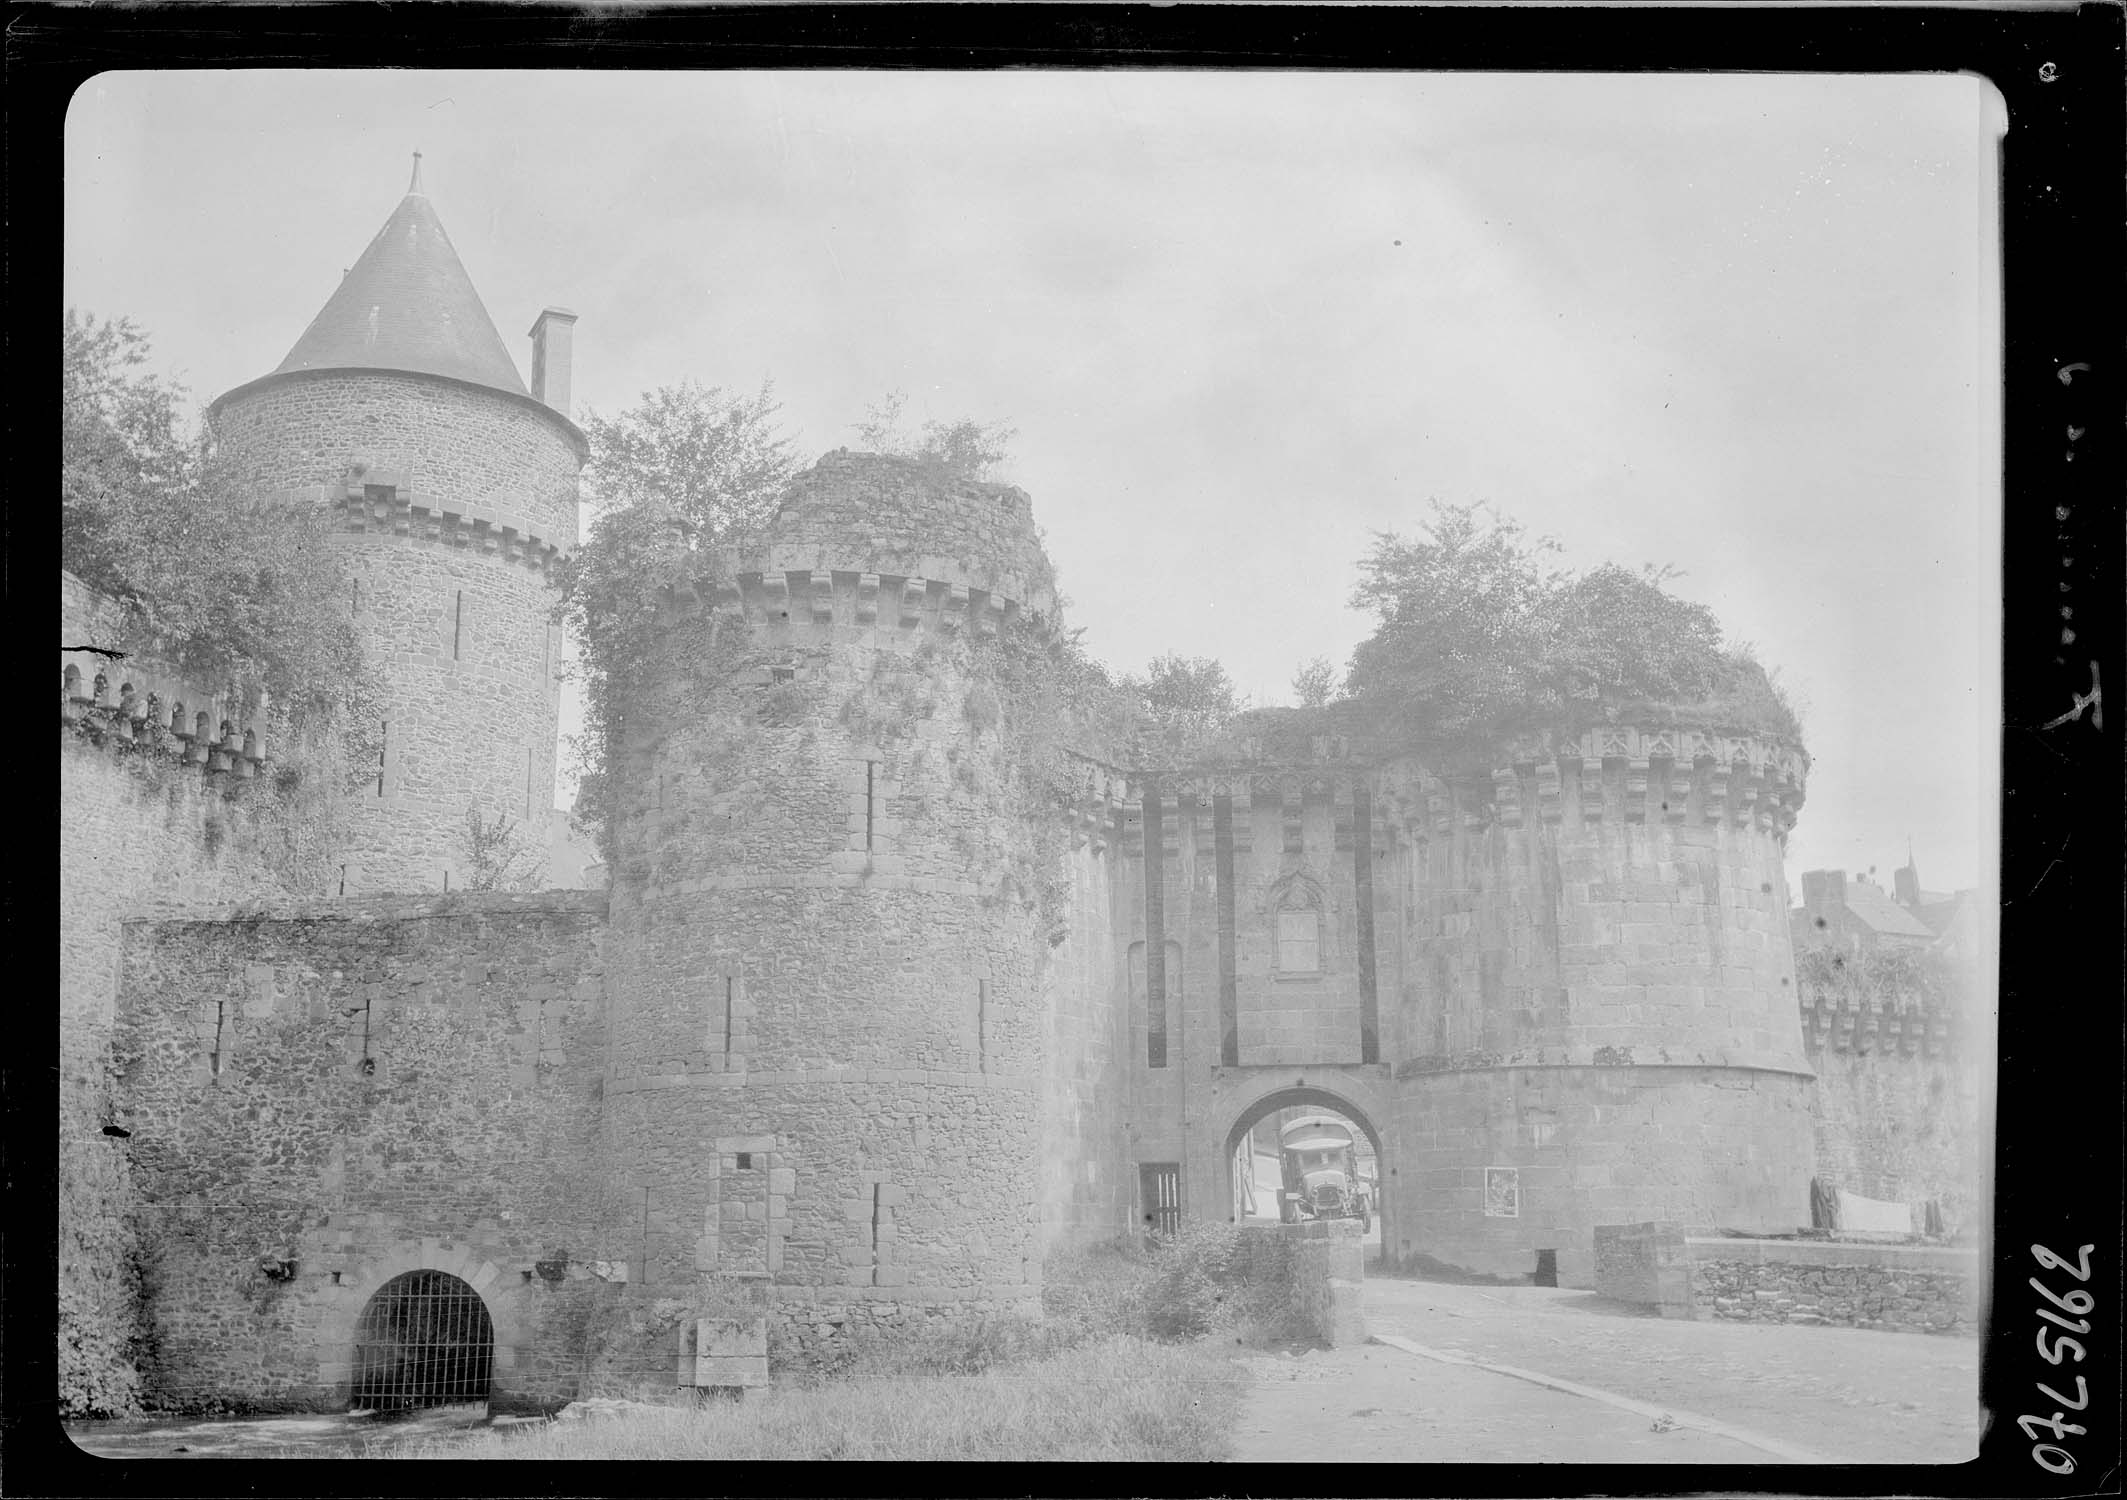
(1617, 774)
(134, 701)
(379, 502)
(139, 698)
(888, 604)
(1905, 1025)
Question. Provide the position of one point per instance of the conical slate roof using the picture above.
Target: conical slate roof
(408, 305)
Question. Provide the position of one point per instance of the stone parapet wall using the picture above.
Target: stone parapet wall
(1901, 1288)
(1320, 1265)
(1643, 1263)
(1897, 1288)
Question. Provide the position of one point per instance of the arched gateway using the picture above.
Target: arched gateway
(425, 1339)
(1300, 1095)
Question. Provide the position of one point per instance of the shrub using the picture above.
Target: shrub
(242, 594)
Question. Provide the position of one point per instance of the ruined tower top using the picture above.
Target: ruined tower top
(871, 513)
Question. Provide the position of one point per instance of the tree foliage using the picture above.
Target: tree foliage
(963, 446)
(497, 856)
(244, 593)
(1884, 975)
(1479, 635)
(1315, 683)
(710, 462)
(687, 469)
(1188, 701)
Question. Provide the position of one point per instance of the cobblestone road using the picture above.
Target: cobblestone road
(1848, 1395)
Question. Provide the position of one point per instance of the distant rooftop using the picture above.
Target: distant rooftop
(1873, 905)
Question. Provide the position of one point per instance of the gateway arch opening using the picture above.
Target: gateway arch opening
(425, 1339)
(1305, 1153)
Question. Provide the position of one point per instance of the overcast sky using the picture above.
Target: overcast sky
(1742, 325)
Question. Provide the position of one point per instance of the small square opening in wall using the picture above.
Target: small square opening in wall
(745, 1162)
(1546, 1268)
(782, 674)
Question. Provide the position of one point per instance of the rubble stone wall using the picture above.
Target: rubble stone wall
(363, 1088)
(1901, 1288)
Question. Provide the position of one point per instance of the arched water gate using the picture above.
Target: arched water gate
(425, 1339)
(1318, 1098)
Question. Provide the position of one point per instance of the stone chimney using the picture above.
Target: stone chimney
(552, 336)
(1823, 891)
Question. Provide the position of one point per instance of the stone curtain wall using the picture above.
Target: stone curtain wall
(364, 1087)
(1902, 1126)
(140, 831)
(452, 597)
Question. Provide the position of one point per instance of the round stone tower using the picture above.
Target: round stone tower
(1599, 1022)
(824, 1072)
(454, 489)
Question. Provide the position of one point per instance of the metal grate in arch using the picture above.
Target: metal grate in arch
(425, 1339)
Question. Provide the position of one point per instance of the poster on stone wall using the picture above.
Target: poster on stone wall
(1502, 1192)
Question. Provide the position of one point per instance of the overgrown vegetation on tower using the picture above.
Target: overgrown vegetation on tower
(1479, 638)
(686, 469)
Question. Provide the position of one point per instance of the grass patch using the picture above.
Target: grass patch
(1114, 1399)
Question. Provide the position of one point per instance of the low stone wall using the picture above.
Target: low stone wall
(1902, 1288)
(1643, 1263)
(1322, 1263)
(1897, 1287)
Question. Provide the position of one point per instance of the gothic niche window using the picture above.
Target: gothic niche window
(1296, 908)
(1300, 941)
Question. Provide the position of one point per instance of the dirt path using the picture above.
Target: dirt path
(1852, 1395)
(1374, 1404)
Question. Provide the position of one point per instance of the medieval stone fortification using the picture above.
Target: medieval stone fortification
(869, 1020)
